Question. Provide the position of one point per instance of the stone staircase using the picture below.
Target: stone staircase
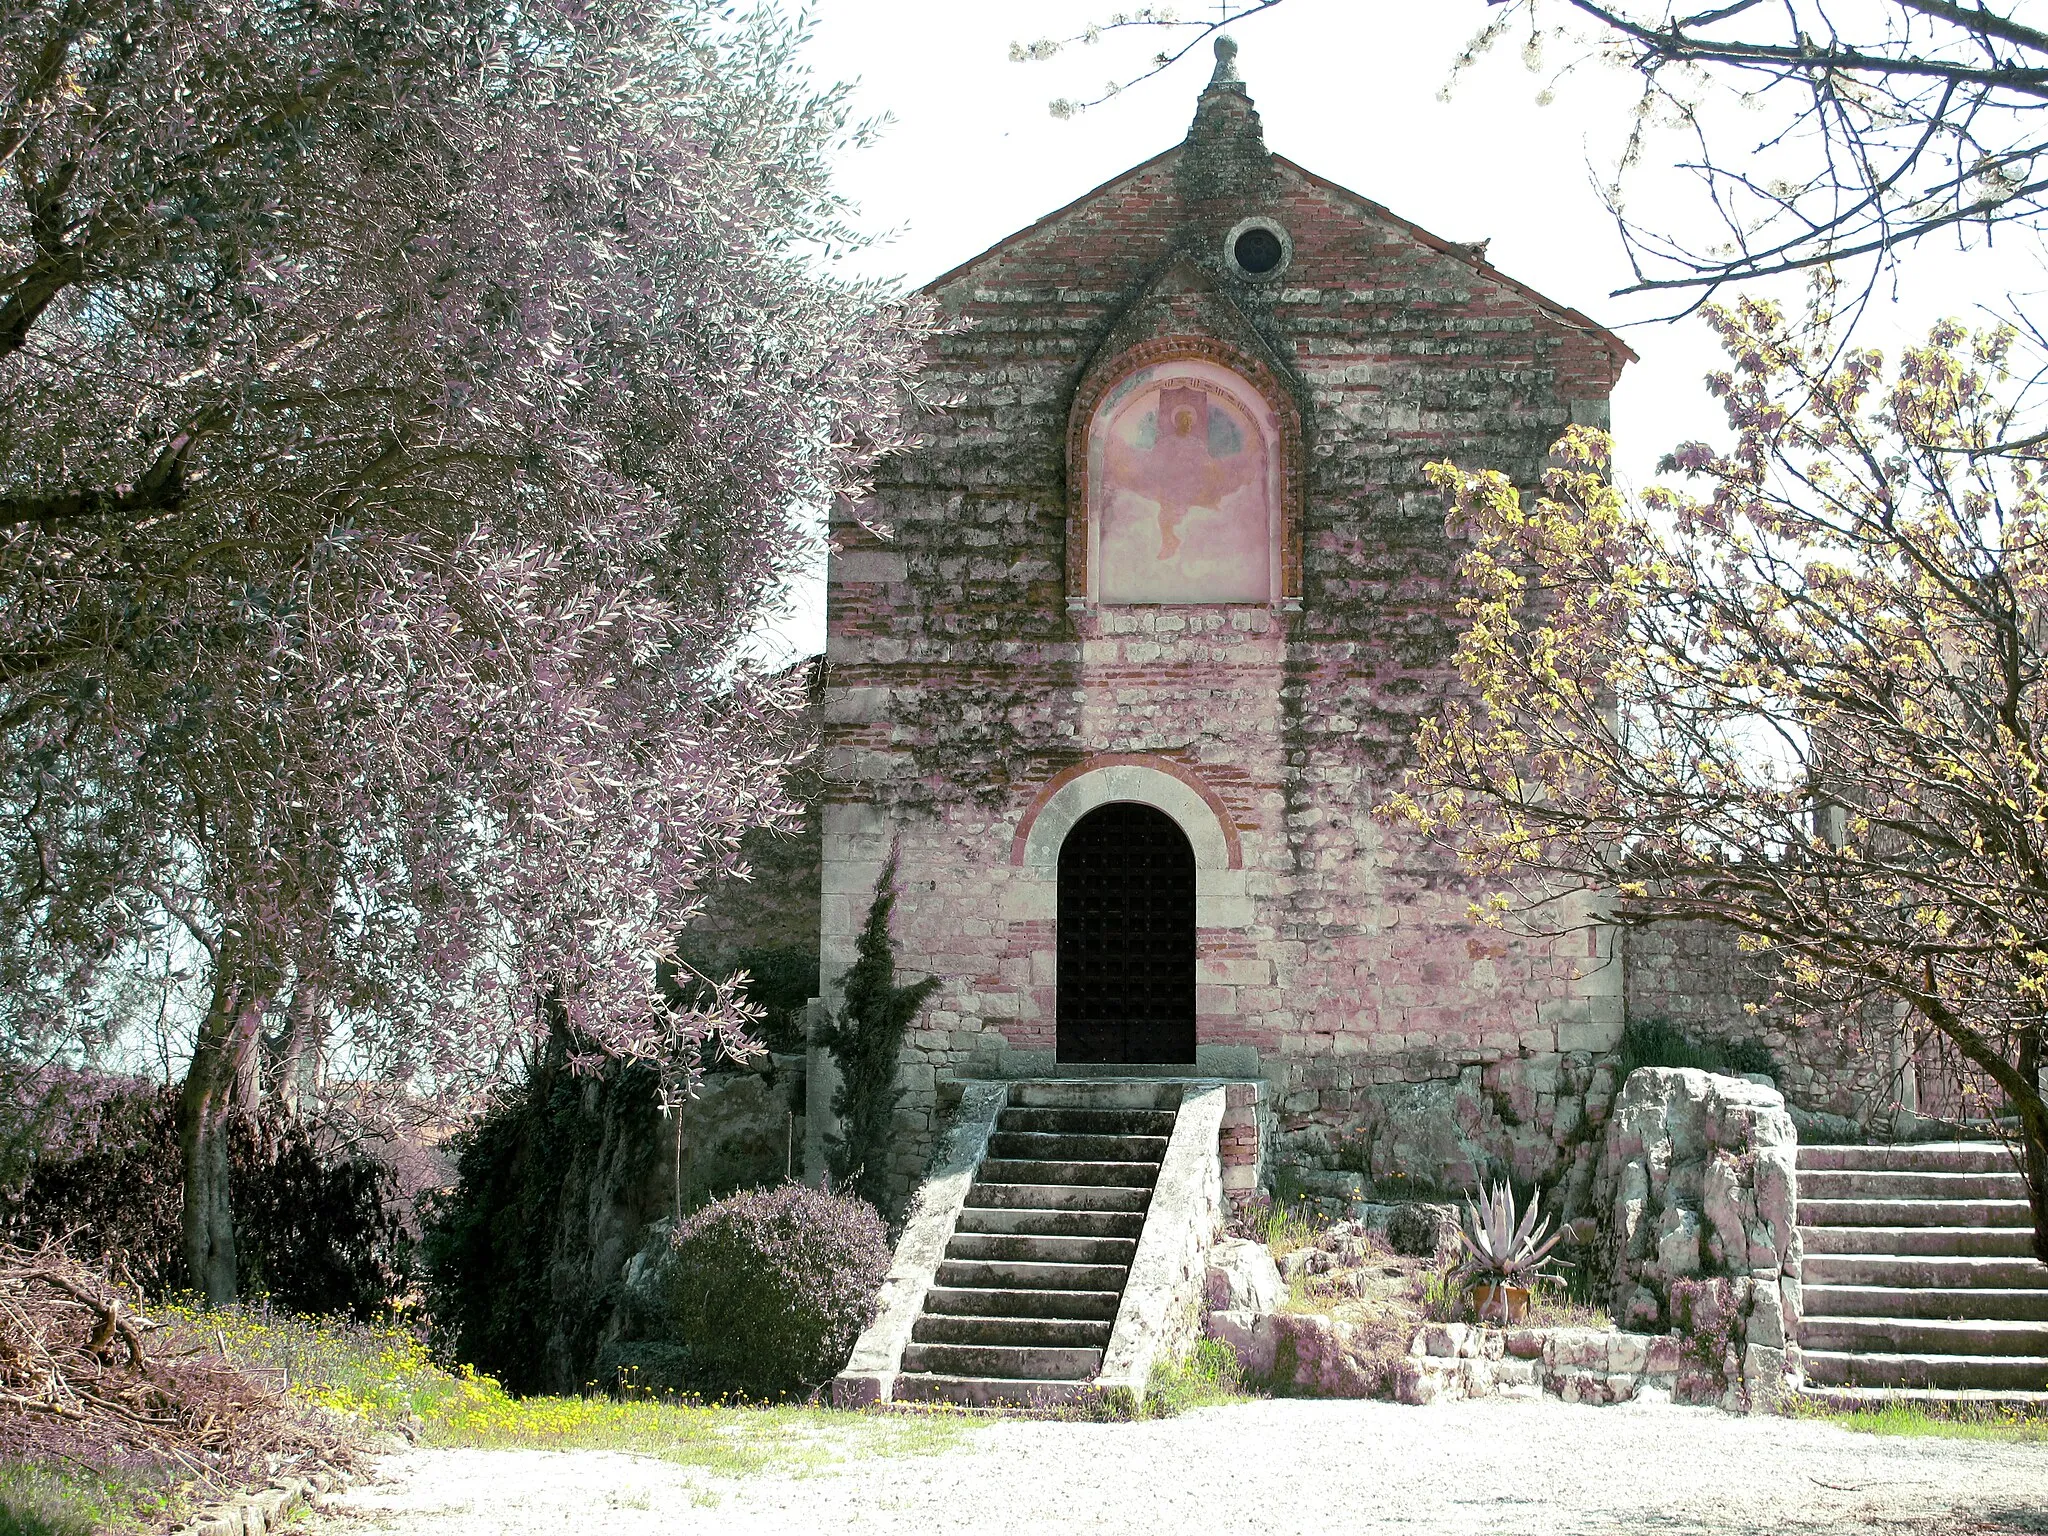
(1918, 1278)
(1021, 1307)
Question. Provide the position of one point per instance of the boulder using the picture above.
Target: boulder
(1422, 1231)
(1349, 1243)
(1306, 1261)
(1234, 1327)
(1696, 1190)
(1319, 1356)
(1243, 1278)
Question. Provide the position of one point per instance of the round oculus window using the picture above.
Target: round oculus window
(1258, 251)
(1258, 248)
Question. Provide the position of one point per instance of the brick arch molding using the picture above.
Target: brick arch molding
(1112, 776)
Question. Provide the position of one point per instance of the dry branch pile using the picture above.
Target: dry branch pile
(86, 1378)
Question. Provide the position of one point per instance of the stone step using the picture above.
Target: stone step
(1922, 1157)
(1014, 1275)
(1025, 1363)
(1956, 1242)
(1089, 1122)
(1038, 1249)
(1934, 1336)
(1850, 1399)
(1099, 1093)
(1945, 1272)
(1059, 1147)
(1055, 1332)
(1914, 1213)
(1011, 1170)
(1052, 1223)
(985, 1392)
(1983, 1373)
(990, 1301)
(1898, 1301)
(1913, 1184)
(993, 1195)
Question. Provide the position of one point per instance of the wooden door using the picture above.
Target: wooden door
(1126, 938)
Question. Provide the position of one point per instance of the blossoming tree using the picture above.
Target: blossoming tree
(1806, 700)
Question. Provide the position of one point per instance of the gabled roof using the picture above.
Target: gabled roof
(1479, 264)
(1464, 253)
(1049, 220)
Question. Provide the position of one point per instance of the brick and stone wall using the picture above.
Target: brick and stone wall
(978, 700)
(1695, 977)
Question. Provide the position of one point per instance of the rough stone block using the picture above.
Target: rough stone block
(1445, 1340)
(1318, 1356)
(1525, 1343)
(1627, 1353)
(1516, 1373)
(1664, 1355)
(1415, 1385)
(1764, 1378)
(1243, 1277)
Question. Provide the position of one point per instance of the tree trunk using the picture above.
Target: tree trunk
(227, 1037)
(2034, 1137)
(301, 1065)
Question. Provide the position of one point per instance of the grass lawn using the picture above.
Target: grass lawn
(1962, 1422)
(385, 1379)
(55, 1498)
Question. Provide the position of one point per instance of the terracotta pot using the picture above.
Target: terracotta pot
(1487, 1302)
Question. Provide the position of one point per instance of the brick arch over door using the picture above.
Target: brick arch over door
(1146, 780)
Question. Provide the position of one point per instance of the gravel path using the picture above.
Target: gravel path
(1270, 1468)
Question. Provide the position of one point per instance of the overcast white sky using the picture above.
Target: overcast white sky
(1347, 88)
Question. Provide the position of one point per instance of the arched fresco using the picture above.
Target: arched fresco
(1184, 488)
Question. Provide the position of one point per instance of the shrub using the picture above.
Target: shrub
(1656, 1043)
(518, 1256)
(768, 1289)
(865, 1041)
(1445, 1296)
(316, 1230)
(1292, 1226)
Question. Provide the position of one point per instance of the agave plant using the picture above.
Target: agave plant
(1498, 1250)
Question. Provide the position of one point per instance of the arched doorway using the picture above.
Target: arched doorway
(1126, 938)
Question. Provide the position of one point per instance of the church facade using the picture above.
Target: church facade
(1123, 659)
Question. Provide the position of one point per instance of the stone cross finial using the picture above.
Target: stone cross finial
(1226, 61)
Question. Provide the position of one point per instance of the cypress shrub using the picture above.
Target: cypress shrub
(866, 1040)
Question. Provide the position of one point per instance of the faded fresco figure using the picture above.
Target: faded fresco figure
(1183, 491)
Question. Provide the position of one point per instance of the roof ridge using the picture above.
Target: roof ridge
(1464, 253)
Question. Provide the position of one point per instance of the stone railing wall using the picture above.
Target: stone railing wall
(870, 1373)
(1161, 1307)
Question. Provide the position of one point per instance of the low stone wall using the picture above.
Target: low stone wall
(1347, 1130)
(1696, 976)
(1579, 1365)
(1309, 1354)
